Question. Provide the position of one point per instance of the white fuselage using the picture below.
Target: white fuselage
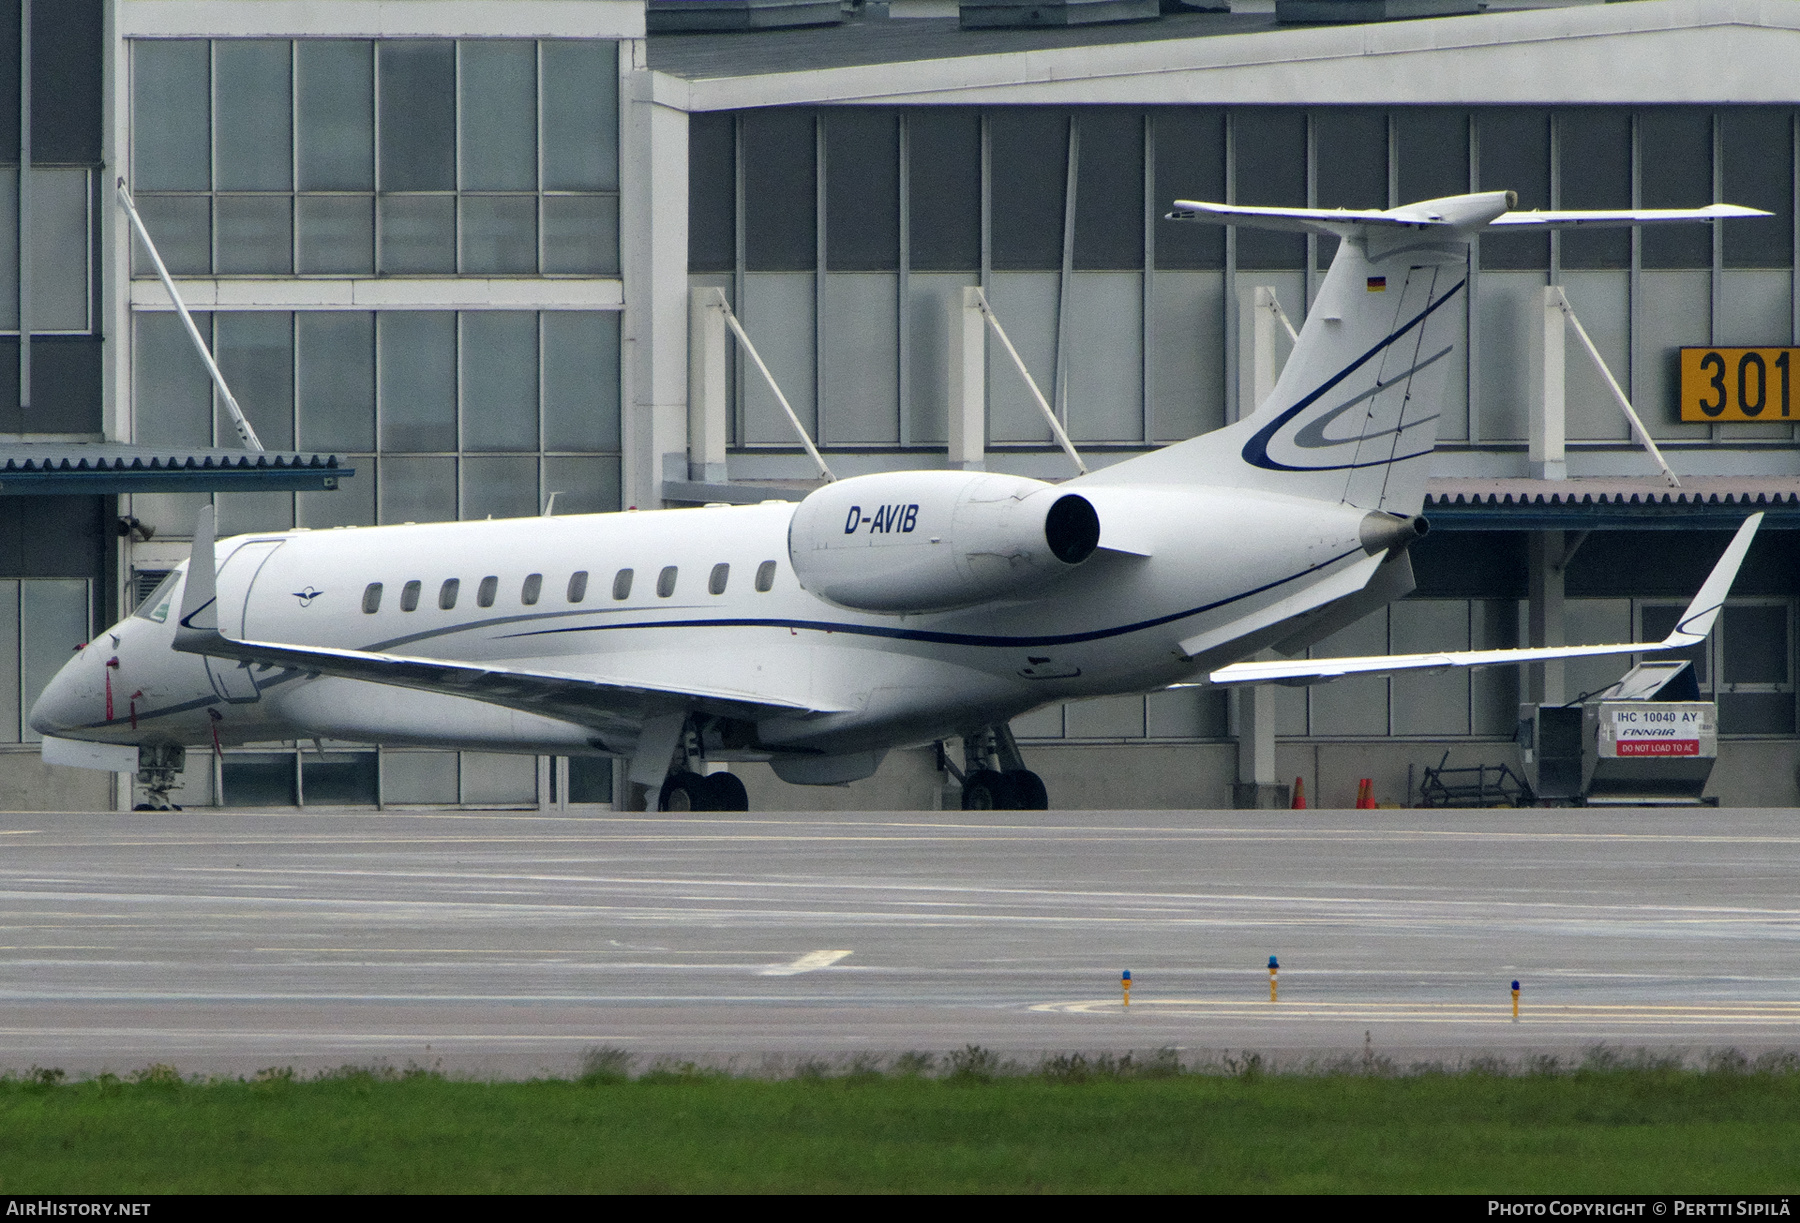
(1194, 560)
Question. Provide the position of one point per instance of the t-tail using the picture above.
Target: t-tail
(1354, 415)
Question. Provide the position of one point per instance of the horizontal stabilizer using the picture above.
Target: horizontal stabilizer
(1695, 623)
(1490, 209)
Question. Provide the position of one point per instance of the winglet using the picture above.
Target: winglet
(198, 626)
(1697, 621)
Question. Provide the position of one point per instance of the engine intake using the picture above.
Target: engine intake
(923, 541)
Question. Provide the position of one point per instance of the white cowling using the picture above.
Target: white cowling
(922, 541)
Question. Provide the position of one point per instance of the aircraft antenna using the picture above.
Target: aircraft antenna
(245, 433)
(737, 329)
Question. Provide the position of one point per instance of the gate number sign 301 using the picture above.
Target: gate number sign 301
(1719, 384)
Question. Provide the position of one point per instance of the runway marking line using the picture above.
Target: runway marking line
(810, 962)
(1442, 1012)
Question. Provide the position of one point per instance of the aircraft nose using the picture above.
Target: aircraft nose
(65, 702)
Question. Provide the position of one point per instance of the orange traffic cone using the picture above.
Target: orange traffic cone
(1365, 794)
(1299, 795)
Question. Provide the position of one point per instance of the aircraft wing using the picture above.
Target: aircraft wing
(583, 699)
(1695, 623)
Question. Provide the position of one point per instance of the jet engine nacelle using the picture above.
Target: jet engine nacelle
(922, 541)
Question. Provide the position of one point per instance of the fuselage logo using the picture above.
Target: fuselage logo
(307, 596)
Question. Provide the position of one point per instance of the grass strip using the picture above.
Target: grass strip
(1061, 1128)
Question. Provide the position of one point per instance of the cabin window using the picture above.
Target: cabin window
(765, 577)
(578, 586)
(371, 598)
(622, 584)
(409, 596)
(665, 582)
(484, 594)
(721, 573)
(447, 593)
(534, 585)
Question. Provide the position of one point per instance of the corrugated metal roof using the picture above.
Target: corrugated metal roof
(28, 468)
(1611, 503)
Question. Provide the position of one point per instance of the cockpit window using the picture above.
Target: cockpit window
(161, 600)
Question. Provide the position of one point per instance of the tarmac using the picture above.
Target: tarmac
(511, 943)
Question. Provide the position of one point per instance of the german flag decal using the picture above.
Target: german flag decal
(1378, 284)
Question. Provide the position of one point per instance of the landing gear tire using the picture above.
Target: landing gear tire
(1028, 791)
(986, 790)
(683, 792)
(724, 792)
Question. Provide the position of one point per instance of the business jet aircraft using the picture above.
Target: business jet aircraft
(884, 610)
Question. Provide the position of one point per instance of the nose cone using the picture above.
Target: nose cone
(66, 704)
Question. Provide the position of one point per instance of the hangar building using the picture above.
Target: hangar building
(453, 247)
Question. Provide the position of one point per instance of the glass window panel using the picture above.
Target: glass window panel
(335, 392)
(1270, 145)
(337, 234)
(1190, 165)
(1675, 170)
(253, 115)
(712, 192)
(12, 420)
(59, 249)
(779, 204)
(1595, 146)
(418, 115)
(65, 384)
(418, 490)
(1109, 189)
(172, 400)
(1433, 152)
(499, 354)
(171, 134)
(581, 380)
(181, 227)
(1758, 154)
(242, 513)
(53, 620)
(862, 190)
(67, 66)
(260, 779)
(943, 149)
(254, 233)
(418, 234)
(1515, 156)
(1350, 146)
(10, 709)
(1028, 165)
(417, 363)
(1755, 644)
(418, 777)
(580, 115)
(494, 777)
(499, 115)
(335, 88)
(350, 504)
(590, 779)
(9, 250)
(338, 779)
(255, 351)
(1756, 713)
(583, 485)
(499, 235)
(581, 235)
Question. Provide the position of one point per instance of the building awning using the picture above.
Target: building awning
(45, 468)
(1611, 504)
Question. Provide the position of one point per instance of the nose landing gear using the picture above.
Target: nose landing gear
(994, 776)
(159, 772)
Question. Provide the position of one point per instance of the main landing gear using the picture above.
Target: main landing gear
(994, 776)
(688, 789)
